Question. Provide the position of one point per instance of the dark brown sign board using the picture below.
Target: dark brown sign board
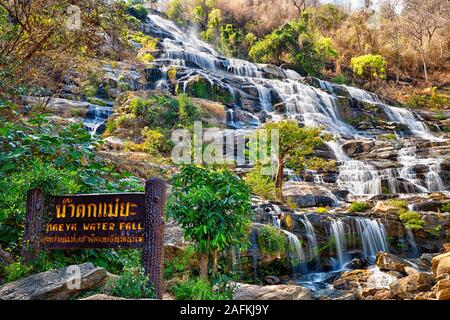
(90, 221)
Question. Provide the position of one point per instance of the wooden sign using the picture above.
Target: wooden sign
(89, 221)
(96, 221)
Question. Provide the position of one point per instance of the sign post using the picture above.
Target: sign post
(89, 221)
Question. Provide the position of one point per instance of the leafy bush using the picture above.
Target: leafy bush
(271, 240)
(214, 209)
(199, 289)
(434, 100)
(15, 271)
(401, 204)
(322, 210)
(359, 206)
(369, 66)
(261, 185)
(132, 284)
(155, 142)
(138, 11)
(445, 207)
(412, 220)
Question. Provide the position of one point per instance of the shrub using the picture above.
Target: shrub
(199, 289)
(359, 206)
(155, 142)
(445, 207)
(341, 79)
(322, 210)
(261, 185)
(369, 67)
(401, 204)
(138, 11)
(16, 270)
(271, 240)
(412, 220)
(132, 284)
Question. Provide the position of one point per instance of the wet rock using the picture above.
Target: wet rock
(271, 280)
(5, 258)
(410, 271)
(425, 260)
(396, 274)
(306, 195)
(441, 264)
(390, 262)
(356, 147)
(443, 289)
(383, 208)
(350, 280)
(446, 247)
(408, 287)
(273, 292)
(57, 284)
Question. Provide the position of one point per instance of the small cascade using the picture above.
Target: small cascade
(372, 236)
(379, 279)
(96, 117)
(413, 249)
(295, 249)
(312, 242)
(337, 229)
(359, 178)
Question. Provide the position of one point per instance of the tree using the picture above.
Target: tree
(214, 209)
(37, 45)
(370, 67)
(295, 143)
(177, 12)
(422, 21)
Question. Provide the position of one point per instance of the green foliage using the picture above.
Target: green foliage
(341, 79)
(177, 13)
(199, 289)
(399, 203)
(445, 207)
(434, 101)
(180, 264)
(271, 240)
(388, 137)
(412, 220)
(155, 142)
(322, 210)
(359, 206)
(213, 207)
(297, 43)
(316, 163)
(369, 67)
(261, 185)
(132, 284)
(59, 160)
(138, 11)
(15, 271)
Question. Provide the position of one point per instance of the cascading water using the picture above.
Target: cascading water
(285, 94)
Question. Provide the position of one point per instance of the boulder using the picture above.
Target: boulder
(390, 262)
(272, 292)
(440, 264)
(5, 257)
(425, 260)
(446, 247)
(443, 289)
(384, 208)
(59, 284)
(271, 280)
(350, 280)
(410, 271)
(356, 147)
(408, 287)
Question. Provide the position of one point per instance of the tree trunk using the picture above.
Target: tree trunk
(204, 262)
(215, 262)
(279, 179)
(425, 68)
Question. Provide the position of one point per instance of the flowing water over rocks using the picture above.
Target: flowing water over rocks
(412, 163)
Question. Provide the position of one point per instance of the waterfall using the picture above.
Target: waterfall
(96, 117)
(372, 236)
(359, 178)
(413, 250)
(312, 241)
(338, 234)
